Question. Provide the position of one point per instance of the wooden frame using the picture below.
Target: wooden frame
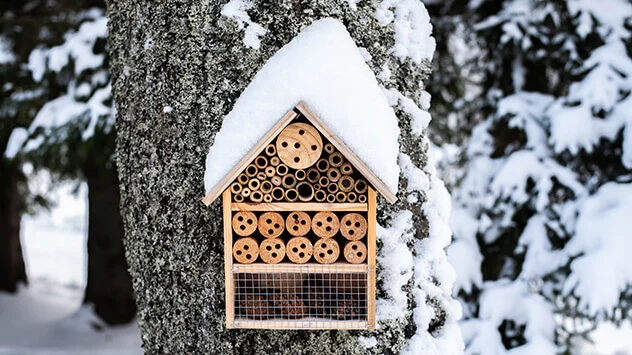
(346, 275)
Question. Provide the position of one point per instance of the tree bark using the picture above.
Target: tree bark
(12, 270)
(185, 55)
(109, 286)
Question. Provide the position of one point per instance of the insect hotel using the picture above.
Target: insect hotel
(299, 231)
(298, 182)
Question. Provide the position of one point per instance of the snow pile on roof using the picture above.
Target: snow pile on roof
(323, 67)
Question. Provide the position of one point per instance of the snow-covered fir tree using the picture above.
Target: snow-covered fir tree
(70, 132)
(541, 219)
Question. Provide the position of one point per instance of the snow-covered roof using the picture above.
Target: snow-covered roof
(323, 67)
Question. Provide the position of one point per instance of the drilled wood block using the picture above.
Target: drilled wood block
(246, 250)
(298, 223)
(325, 224)
(272, 251)
(271, 224)
(299, 250)
(355, 252)
(244, 223)
(299, 145)
(326, 251)
(353, 226)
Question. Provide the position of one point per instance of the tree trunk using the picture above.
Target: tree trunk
(178, 68)
(109, 286)
(12, 269)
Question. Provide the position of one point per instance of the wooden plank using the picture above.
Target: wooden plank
(237, 169)
(229, 288)
(296, 206)
(310, 323)
(348, 153)
(372, 259)
(284, 267)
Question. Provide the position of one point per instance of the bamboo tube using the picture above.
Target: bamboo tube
(305, 191)
(261, 162)
(353, 226)
(317, 186)
(244, 223)
(300, 175)
(332, 188)
(336, 159)
(252, 170)
(329, 148)
(272, 251)
(289, 181)
(346, 169)
(320, 195)
(346, 183)
(325, 224)
(331, 198)
(299, 250)
(313, 175)
(282, 169)
(266, 187)
(333, 174)
(291, 195)
(355, 252)
(360, 186)
(261, 176)
(245, 192)
(238, 198)
(271, 224)
(276, 180)
(270, 150)
(352, 197)
(254, 184)
(298, 223)
(246, 250)
(270, 171)
(323, 181)
(341, 197)
(256, 196)
(322, 165)
(326, 251)
(362, 198)
(275, 161)
(267, 198)
(278, 194)
(235, 188)
(243, 179)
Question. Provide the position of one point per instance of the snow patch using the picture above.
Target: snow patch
(236, 10)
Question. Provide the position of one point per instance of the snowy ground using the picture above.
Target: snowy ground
(46, 317)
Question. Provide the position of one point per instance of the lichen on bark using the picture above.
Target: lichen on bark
(198, 65)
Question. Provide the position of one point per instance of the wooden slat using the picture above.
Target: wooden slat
(372, 259)
(348, 153)
(337, 267)
(295, 206)
(311, 323)
(229, 288)
(263, 142)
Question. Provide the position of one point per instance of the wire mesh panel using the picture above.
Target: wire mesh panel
(307, 298)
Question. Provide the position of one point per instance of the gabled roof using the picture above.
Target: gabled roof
(357, 163)
(323, 67)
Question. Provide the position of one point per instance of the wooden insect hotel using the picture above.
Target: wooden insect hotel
(300, 231)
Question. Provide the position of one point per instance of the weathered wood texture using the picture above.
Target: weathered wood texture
(183, 54)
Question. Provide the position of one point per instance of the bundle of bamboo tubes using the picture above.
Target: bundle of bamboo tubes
(274, 176)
